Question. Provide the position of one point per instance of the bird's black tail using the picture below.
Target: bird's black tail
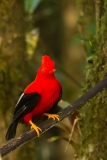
(11, 131)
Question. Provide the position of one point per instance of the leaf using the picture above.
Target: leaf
(77, 37)
(32, 38)
(31, 5)
(90, 43)
(52, 139)
(74, 144)
(81, 38)
(63, 104)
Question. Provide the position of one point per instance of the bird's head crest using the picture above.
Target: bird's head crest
(47, 64)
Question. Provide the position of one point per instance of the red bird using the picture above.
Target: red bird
(38, 98)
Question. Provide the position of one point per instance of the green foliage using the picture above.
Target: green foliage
(31, 5)
(89, 43)
(31, 41)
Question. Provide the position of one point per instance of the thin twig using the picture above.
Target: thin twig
(15, 143)
(71, 134)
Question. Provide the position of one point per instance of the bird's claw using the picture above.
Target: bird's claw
(36, 128)
(53, 116)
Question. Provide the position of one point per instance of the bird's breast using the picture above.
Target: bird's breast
(49, 96)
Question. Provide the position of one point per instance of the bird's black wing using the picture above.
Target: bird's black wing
(25, 104)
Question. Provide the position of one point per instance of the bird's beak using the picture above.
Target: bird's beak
(54, 70)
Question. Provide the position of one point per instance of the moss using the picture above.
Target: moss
(94, 114)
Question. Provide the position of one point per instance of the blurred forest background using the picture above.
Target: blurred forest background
(73, 34)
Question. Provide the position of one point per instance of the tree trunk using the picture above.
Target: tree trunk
(94, 114)
(12, 60)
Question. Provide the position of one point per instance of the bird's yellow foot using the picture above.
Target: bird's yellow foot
(53, 116)
(36, 128)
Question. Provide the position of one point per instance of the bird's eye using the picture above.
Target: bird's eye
(42, 70)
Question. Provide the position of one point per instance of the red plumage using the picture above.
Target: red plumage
(38, 98)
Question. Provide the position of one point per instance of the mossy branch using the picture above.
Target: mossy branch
(15, 143)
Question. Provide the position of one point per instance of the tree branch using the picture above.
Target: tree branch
(15, 143)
